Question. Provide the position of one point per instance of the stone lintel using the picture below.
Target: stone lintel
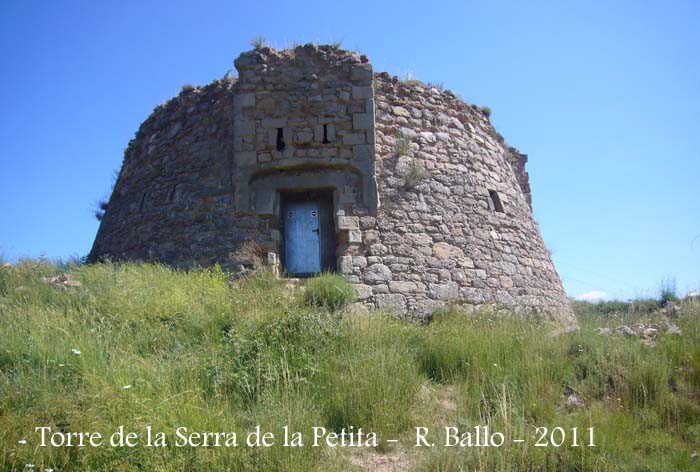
(363, 121)
(348, 222)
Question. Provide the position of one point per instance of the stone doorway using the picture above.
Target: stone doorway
(308, 228)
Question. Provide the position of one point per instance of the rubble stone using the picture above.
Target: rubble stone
(431, 206)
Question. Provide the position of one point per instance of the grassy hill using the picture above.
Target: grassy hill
(136, 345)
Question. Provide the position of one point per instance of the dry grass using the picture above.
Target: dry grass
(251, 253)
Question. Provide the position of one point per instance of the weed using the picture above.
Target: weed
(410, 80)
(328, 291)
(258, 42)
(486, 111)
(251, 254)
(402, 146)
(414, 175)
(102, 206)
(439, 86)
(667, 291)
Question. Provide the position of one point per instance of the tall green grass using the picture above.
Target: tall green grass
(168, 348)
(328, 291)
(513, 377)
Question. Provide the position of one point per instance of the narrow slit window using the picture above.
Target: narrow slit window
(497, 203)
(325, 134)
(280, 139)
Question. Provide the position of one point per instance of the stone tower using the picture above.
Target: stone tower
(401, 187)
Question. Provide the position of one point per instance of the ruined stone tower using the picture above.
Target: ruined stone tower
(401, 187)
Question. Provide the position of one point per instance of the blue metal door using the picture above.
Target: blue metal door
(301, 237)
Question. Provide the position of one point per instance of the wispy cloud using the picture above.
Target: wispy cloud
(593, 296)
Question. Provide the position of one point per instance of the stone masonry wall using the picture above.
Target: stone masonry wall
(173, 198)
(310, 110)
(518, 160)
(430, 206)
(304, 120)
(439, 237)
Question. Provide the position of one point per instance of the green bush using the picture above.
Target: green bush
(667, 291)
(328, 291)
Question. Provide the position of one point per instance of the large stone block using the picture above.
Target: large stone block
(444, 250)
(345, 264)
(303, 137)
(244, 127)
(400, 111)
(348, 222)
(446, 291)
(274, 123)
(363, 153)
(241, 100)
(354, 138)
(391, 303)
(376, 274)
(363, 120)
(378, 249)
(354, 236)
(359, 261)
(406, 288)
(361, 73)
(246, 158)
(362, 292)
(362, 92)
(264, 203)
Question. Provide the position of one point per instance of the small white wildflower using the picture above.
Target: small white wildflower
(61, 365)
(29, 466)
(48, 470)
(22, 441)
(126, 387)
(495, 365)
(75, 352)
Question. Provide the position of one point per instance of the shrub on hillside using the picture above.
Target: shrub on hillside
(667, 291)
(639, 306)
(328, 291)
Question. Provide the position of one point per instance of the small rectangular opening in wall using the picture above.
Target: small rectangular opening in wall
(280, 139)
(496, 200)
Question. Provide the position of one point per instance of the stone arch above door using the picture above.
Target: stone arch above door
(257, 189)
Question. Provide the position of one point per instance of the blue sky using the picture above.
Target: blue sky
(604, 96)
